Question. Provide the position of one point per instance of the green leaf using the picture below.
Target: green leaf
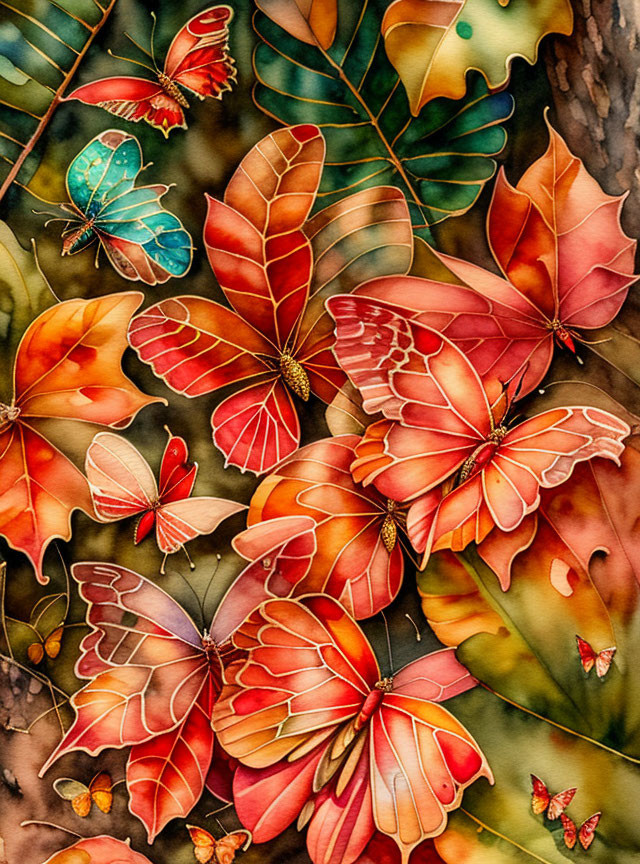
(441, 160)
(43, 44)
(24, 294)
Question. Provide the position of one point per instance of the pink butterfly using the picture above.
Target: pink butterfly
(122, 485)
(444, 424)
(589, 658)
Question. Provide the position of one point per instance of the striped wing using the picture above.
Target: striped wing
(120, 479)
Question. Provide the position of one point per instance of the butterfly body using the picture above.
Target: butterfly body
(197, 60)
(142, 240)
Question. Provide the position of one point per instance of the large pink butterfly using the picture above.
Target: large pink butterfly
(441, 426)
(197, 60)
(153, 680)
(322, 736)
(122, 485)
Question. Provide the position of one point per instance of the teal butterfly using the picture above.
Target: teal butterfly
(141, 239)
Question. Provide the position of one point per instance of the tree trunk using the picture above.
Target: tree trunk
(595, 77)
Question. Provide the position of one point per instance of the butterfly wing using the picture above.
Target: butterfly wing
(101, 793)
(352, 563)
(120, 479)
(543, 451)
(136, 218)
(53, 643)
(604, 660)
(198, 56)
(587, 830)
(539, 795)
(559, 802)
(227, 846)
(569, 831)
(414, 375)
(587, 654)
(133, 99)
(144, 657)
(180, 521)
(177, 474)
(308, 668)
(203, 843)
(280, 553)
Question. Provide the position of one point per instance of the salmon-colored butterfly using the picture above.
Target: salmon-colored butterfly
(197, 60)
(275, 343)
(322, 735)
(543, 802)
(443, 424)
(585, 834)
(359, 558)
(223, 851)
(152, 680)
(122, 485)
(589, 658)
(98, 792)
(566, 267)
(50, 646)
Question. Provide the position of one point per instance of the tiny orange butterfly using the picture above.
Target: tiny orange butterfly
(223, 851)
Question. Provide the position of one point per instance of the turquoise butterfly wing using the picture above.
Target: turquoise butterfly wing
(142, 240)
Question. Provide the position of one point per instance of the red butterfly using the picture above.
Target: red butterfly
(585, 834)
(153, 681)
(122, 485)
(276, 341)
(442, 424)
(541, 799)
(567, 266)
(197, 60)
(588, 657)
(322, 736)
(223, 851)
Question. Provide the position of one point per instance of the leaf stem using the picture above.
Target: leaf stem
(503, 837)
(44, 122)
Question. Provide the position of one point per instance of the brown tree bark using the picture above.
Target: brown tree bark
(595, 78)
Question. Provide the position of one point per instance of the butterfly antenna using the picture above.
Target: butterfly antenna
(129, 60)
(51, 825)
(164, 561)
(418, 636)
(153, 35)
(222, 828)
(211, 578)
(191, 564)
(390, 652)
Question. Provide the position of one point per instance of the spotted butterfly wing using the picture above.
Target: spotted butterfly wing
(588, 829)
(589, 658)
(197, 59)
(543, 802)
(142, 240)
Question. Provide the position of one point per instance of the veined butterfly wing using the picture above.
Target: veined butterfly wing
(145, 659)
(589, 658)
(133, 99)
(101, 792)
(540, 796)
(121, 481)
(588, 829)
(198, 57)
(359, 558)
(309, 689)
(142, 239)
(570, 833)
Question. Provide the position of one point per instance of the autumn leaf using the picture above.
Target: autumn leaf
(433, 44)
(98, 850)
(67, 367)
(310, 21)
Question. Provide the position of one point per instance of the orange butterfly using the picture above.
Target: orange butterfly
(585, 834)
(588, 657)
(541, 799)
(206, 848)
(97, 792)
(49, 646)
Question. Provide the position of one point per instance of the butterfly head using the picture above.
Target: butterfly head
(385, 685)
(8, 415)
(295, 376)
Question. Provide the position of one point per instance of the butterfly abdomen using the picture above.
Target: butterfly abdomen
(78, 239)
(172, 89)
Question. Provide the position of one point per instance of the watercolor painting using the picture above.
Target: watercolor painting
(319, 432)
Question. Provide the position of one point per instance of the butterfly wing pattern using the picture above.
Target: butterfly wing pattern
(142, 240)
(308, 700)
(197, 59)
